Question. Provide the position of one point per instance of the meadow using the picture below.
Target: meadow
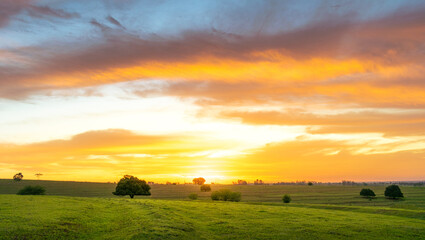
(90, 211)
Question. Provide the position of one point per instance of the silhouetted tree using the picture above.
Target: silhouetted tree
(198, 181)
(240, 182)
(366, 192)
(205, 188)
(393, 191)
(258, 182)
(286, 198)
(32, 190)
(18, 177)
(38, 175)
(130, 185)
(310, 183)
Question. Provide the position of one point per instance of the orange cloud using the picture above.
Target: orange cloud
(106, 155)
(324, 53)
(390, 124)
(328, 160)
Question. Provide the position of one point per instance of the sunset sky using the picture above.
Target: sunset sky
(225, 90)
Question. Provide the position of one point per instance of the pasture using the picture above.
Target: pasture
(90, 211)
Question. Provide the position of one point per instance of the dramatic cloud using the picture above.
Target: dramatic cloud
(113, 153)
(396, 123)
(330, 57)
(348, 79)
(108, 154)
(331, 161)
(10, 8)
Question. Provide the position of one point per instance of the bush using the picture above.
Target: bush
(205, 188)
(366, 192)
(215, 196)
(129, 185)
(310, 183)
(393, 191)
(193, 196)
(226, 195)
(286, 198)
(32, 190)
(234, 197)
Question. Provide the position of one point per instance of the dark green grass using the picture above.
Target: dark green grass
(56, 217)
(300, 194)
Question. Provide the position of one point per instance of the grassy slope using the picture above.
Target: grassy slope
(53, 217)
(317, 194)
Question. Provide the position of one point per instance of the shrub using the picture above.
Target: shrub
(310, 183)
(193, 196)
(226, 195)
(366, 192)
(393, 191)
(215, 196)
(32, 190)
(286, 198)
(129, 185)
(234, 197)
(205, 188)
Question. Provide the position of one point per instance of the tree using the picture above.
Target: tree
(18, 177)
(310, 183)
(240, 182)
(130, 185)
(32, 190)
(198, 181)
(38, 175)
(286, 198)
(393, 191)
(366, 192)
(205, 188)
(258, 182)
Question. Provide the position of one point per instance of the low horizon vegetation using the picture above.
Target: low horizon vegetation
(32, 190)
(226, 195)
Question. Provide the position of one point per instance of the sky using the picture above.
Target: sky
(225, 90)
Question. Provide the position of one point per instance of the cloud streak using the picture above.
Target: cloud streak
(11, 8)
(390, 124)
(343, 48)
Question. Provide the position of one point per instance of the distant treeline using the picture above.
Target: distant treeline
(347, 182)
(343, 182)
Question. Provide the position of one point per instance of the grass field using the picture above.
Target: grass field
(316, 194)
(53, 217)
(90, 211)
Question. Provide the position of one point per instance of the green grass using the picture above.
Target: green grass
(316, 194)
(90, 211)
(57, 217)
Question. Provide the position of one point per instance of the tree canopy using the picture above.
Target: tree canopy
(130, 185)
(18, 177)
(393, 191)
(198, 181)
(366, 192)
